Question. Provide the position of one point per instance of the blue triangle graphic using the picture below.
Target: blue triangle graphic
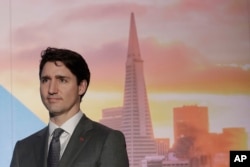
(16, 122)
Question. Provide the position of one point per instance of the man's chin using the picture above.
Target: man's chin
(54, 113)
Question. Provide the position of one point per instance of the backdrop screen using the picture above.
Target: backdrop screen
(196, 71)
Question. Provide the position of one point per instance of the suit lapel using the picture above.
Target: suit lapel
(77, 142)
(40, 148)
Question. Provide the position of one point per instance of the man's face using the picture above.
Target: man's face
(59, 90)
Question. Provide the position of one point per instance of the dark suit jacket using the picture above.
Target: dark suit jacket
(91, 145)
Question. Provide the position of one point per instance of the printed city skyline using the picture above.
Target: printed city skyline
(193, 140)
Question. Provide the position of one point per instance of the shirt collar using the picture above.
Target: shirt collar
(68, 126)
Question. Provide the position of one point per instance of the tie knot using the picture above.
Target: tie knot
(57, 133)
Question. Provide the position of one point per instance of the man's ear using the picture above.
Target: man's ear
(82, 87)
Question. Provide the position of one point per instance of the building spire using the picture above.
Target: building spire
(136, 118)
(133, 44)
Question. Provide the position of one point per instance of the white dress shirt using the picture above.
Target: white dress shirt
(68, 127)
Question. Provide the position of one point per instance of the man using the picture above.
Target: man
(70, 139)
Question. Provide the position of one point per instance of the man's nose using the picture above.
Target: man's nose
(53, 89)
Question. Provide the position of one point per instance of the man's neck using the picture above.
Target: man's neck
(61, 119)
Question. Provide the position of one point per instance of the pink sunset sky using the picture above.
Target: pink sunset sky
(194, 52)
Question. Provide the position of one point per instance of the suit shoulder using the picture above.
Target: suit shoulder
(105, 129)
(33, 136)
(99, 126)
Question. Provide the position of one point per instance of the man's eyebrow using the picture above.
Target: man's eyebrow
(45, 77)
(62, 76)
(57, 77)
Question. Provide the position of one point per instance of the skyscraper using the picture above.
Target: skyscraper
(136, 119)
(111, 117)
(190, 121)
(191, 129)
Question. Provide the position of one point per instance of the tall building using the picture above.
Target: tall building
(136, 119)
(190, 121)
(162, 145)
(191, 129)
(235, 138)
(111, 117)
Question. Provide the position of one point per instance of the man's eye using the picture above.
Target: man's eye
(63, 80)
(44, 80)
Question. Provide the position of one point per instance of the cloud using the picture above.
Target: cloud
(107, 65)
(194, 6)
(204, 13)
(177, 67)
(181, 42)
(245, 67)
(5, 59)
(102, 11)
(82, 24)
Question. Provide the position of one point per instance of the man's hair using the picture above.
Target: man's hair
(72, 60)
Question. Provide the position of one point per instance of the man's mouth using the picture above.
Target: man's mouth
(53, 99)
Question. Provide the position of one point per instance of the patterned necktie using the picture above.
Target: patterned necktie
(54, 149)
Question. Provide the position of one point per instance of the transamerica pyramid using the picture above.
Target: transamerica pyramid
(136, 119)
(16, 122)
